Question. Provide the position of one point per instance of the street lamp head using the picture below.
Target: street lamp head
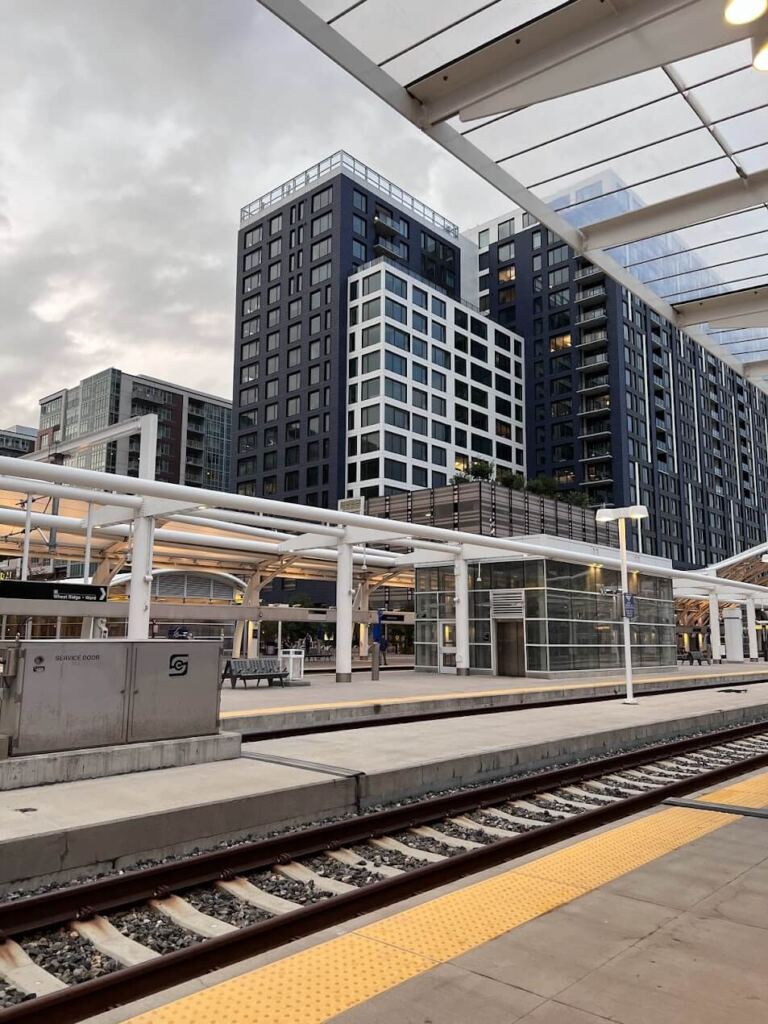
(612, 515)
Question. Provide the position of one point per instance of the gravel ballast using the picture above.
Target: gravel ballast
(217, 903)
(153, 930)
(67, 955)
(10, 996)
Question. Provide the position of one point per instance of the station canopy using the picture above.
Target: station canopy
(637, 130)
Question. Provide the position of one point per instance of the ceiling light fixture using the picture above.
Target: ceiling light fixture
(760, 52)
(742, 12)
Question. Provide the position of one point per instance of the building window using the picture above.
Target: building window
(506, 252)
(396, 390)
(320, 273)
(370, 362)
(369, 469)
(359, 226)
(558, 342)
(438, 307)
(275, 247)
(360, 201)
(321, 224)
(359, 251)
(395, 470)
(483, 239)
(396, 417)
(369, 415)
(322, 199)
(321, 248)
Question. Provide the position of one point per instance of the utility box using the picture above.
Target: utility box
(69, 694)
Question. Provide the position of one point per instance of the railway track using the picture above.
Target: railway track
(78, 950)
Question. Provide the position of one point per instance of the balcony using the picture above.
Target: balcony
(595, 428)
(592, 362)
(588, 272)
(591, 294)
(596, 450)
(601, 382)
(597, 478)
(386, 225)
(596, 405)
(388, 247)
(593, 338)
(593, 316)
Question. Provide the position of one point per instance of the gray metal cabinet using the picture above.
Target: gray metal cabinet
(70, 694)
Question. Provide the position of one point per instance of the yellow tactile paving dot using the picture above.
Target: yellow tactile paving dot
(748, 793)
(461, 920)
(307, 988)
(453, 924)
(313, 986)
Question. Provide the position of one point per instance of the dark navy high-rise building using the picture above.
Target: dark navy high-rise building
(297, 247)
(621, 406)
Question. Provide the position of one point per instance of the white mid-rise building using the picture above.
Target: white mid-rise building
(434, 386)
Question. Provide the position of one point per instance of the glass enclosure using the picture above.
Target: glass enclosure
(572, 615)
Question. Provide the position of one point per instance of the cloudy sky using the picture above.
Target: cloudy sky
(131, 133)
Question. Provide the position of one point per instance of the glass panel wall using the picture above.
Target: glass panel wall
(572, 614)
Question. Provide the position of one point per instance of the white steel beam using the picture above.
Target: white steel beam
(142, 425)
(752, 302)
(679, 212)
(312, 28)
(305, 542)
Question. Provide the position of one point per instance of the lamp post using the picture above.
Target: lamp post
(620, 516)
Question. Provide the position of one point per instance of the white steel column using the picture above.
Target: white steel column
(141, 578)
(752, 629)
(363, 626)
(630, 693)
(344, 595)
(462, 615)
(27, 532)
(714, 628)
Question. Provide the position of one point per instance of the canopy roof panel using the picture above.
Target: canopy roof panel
(637, 130)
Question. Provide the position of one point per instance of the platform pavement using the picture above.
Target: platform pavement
(406, 694)
(67, 827)
(657, 920)
(423, 757)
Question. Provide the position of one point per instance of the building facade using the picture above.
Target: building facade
(297, 248)
(17, 440)
(193, 435)
(435, 388)
(623, 406)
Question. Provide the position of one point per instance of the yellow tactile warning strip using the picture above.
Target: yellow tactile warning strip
(463, 695)
(748, 793)
(315, 985)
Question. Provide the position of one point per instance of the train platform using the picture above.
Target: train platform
(402, 695)
(657, 920)
(63, 829)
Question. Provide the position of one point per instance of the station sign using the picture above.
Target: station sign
(39, 590)
(391, 617)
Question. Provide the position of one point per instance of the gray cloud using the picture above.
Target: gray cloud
(132, 133)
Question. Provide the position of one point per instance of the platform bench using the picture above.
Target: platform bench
(697, 656)
(246, 669)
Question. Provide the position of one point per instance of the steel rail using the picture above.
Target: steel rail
(77, 1002)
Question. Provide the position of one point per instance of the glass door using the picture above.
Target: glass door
(447, 647)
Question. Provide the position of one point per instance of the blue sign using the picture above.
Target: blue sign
(630, 606)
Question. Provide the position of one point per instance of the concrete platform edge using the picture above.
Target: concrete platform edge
(120, 759)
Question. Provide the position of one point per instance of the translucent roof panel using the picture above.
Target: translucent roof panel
(600, 118)
(412, 39)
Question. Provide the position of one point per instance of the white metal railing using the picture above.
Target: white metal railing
(342, 160)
